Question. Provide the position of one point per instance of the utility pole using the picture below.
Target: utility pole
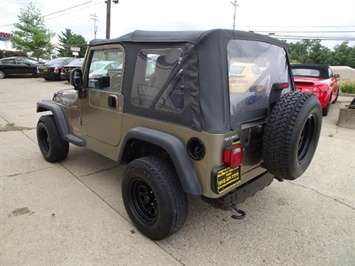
(235, 7)
(108, 17)
(94, 18)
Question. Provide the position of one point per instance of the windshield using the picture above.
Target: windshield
(253, 68)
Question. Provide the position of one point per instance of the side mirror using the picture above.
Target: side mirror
(337, 76)
(76, 78)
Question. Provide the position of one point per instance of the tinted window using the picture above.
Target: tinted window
(8, 61)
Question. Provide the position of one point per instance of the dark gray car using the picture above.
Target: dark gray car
(18, 66)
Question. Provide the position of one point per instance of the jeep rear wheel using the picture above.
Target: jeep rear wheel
(153, 197)
(52, 146)
(291, 135)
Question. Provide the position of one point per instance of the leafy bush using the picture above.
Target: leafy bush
(348, 87)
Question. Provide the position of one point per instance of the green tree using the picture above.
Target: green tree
(30, 35)
(297, 52)
(317, 53)
(309, 51)
(68, 40)
(343, 55)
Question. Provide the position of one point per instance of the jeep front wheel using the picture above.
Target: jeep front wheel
(291, 135)
(52, 146)
(153, 197)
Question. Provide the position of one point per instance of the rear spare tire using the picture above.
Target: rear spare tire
(291, 135)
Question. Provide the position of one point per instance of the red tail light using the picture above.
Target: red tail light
(283, 85)
(233, 155)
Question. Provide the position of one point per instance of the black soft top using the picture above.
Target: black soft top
(323, 69)
(194, 37)
(205, 64)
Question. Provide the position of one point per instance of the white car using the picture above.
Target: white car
(101, 68)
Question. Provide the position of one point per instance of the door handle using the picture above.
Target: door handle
(112, 101)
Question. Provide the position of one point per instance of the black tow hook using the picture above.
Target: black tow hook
(241, 214)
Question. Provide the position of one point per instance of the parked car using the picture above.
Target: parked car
(102, 68)
(319, 80)
(242, 76)
(76, 63)
(178, 127)
(52, 69)
(10, 66)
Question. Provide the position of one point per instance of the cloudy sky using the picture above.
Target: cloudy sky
(333, 21)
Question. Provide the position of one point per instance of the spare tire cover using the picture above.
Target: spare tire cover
(291, 135)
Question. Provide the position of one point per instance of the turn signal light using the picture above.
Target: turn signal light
(233, 155)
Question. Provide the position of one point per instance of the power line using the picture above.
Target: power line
(72, 11)
(58, 12)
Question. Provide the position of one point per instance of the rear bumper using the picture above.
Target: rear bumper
(50, 75)
(65, 76)
(241, 193)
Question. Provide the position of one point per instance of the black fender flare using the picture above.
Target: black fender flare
(43, 106)
(177, 151)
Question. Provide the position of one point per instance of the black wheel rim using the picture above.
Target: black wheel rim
(44, 139)
(307, 137)
(143, 202)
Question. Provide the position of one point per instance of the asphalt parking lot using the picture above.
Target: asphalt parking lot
(71, 213)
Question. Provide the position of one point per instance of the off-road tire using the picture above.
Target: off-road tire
(153, 197)
(291, 135)
(52, 146)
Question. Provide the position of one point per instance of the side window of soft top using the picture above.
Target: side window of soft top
(159, 79)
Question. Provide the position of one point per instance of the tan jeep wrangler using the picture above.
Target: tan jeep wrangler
(207, 113)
